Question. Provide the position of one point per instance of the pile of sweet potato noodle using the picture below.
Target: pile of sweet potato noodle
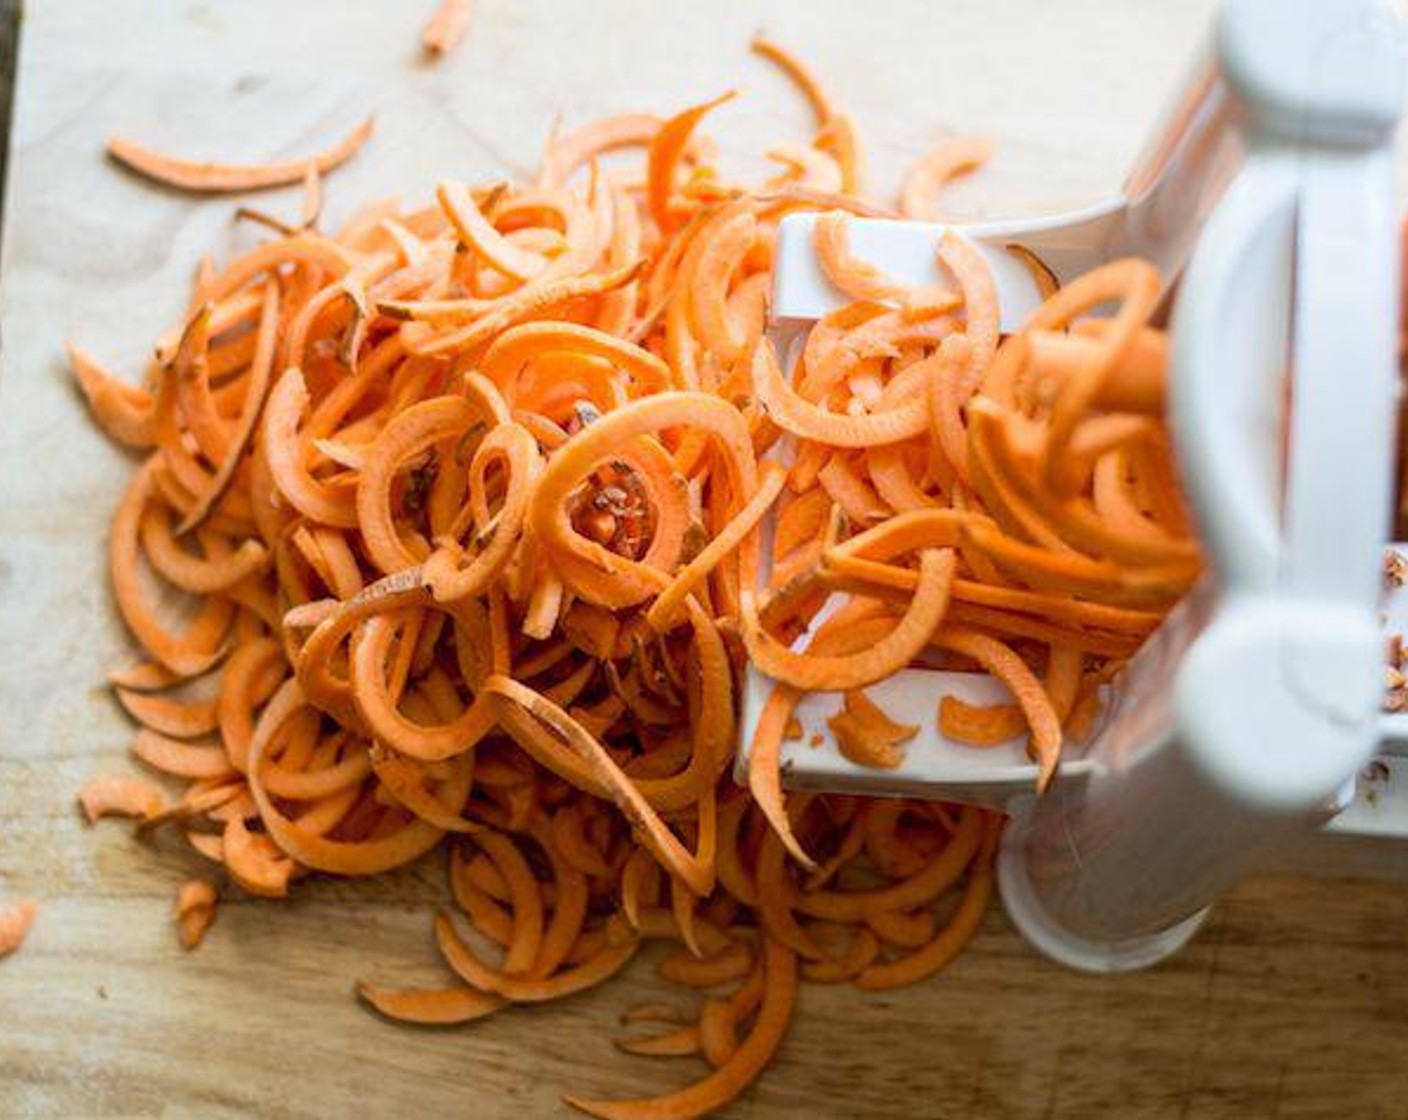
(467, 500)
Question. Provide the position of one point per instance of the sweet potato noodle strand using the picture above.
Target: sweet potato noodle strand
(451, 525)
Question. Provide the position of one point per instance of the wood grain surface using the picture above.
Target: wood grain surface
(1290, 1003)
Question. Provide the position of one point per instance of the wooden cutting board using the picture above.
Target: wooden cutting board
(1293, 1000)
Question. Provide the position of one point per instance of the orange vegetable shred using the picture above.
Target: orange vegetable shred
(447, 26)
(467, 502)
(211, 177)
(195, 910)
(15, 922)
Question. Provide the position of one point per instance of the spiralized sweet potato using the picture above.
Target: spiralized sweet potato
(468, 500)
